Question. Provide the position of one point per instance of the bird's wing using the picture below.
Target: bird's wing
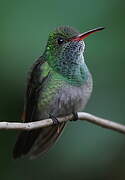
(35, 82)
(37, 141)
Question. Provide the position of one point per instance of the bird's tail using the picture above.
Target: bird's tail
(35, 142)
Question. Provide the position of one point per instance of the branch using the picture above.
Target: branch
(48, 122)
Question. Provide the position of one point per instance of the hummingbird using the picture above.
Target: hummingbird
(59, 84)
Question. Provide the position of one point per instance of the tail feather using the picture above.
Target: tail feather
(24, 143)
(36, 142)
(43, 146)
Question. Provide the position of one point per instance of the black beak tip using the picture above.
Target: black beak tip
(101, 28)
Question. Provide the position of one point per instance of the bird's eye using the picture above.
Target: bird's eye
(60, 40)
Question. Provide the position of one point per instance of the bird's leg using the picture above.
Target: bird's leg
(54, 119)
(75, 116)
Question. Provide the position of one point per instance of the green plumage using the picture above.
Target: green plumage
(59, 84)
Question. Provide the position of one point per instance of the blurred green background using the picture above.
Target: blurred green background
(84, 151)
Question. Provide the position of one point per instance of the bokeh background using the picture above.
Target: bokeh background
(84, 151)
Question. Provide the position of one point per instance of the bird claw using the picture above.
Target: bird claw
(75, 116)
(54, 119)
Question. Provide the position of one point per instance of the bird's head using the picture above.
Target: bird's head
(65, 45)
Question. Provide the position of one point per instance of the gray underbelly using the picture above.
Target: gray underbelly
(67, 100)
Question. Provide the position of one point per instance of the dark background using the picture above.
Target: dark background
(84, 151)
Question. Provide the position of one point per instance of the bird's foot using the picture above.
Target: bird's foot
(75, 116)
(54, 119)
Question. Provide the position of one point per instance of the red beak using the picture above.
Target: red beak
(86, 34)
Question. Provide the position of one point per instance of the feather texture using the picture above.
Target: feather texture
(59, 84)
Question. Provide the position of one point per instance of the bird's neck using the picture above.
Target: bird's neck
(74, 72)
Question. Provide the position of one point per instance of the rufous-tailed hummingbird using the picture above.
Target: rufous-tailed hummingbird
(59, 84)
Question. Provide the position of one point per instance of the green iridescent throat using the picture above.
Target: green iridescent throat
(73, 73)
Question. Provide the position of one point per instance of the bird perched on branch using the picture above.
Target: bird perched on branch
(59, 84)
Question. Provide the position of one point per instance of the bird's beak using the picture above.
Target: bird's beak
(84, 35)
